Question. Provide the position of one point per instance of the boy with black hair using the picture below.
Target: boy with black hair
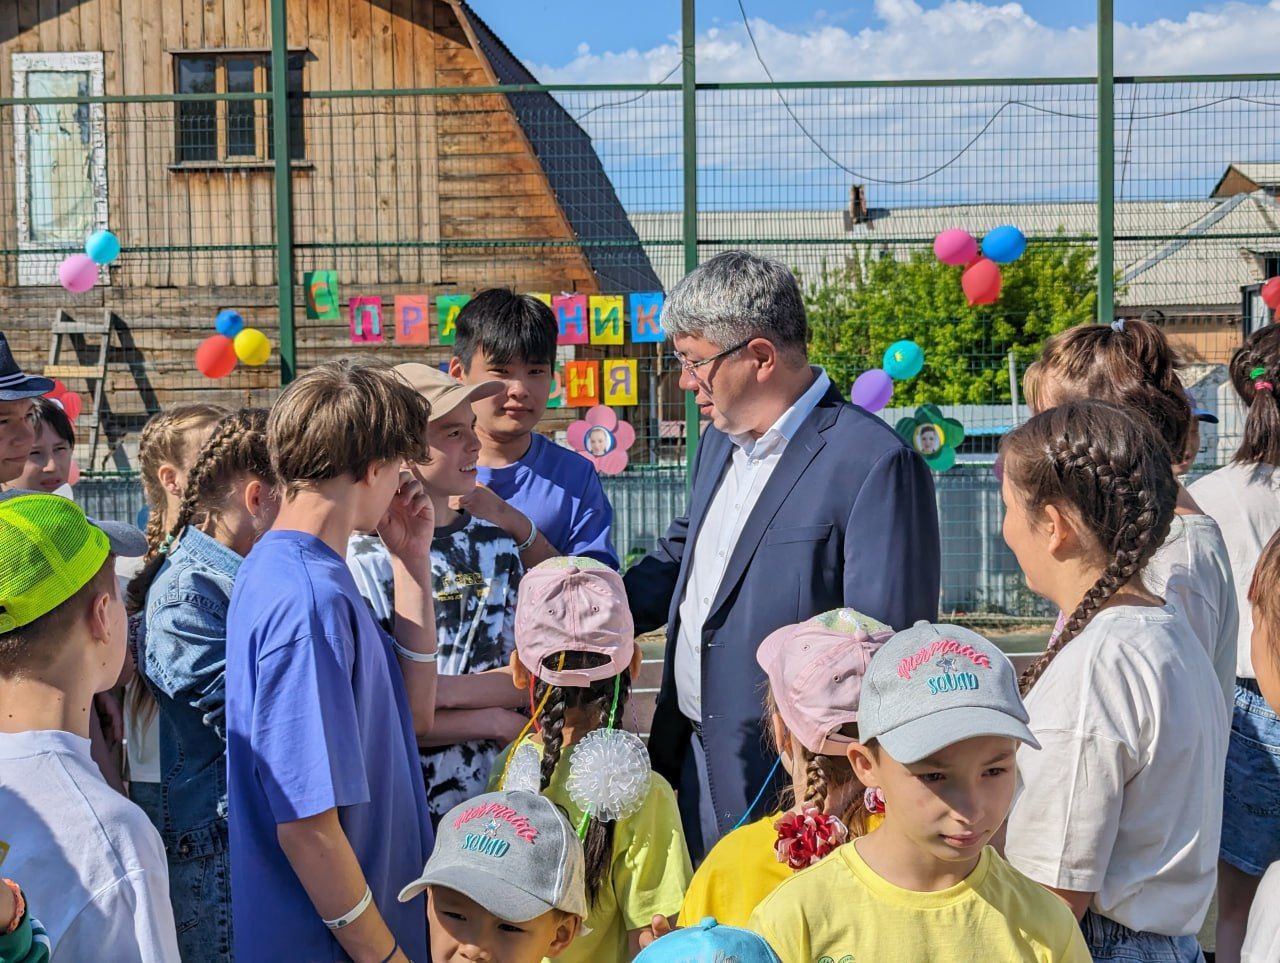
(87, 857)
(327, 811)
(547, 498)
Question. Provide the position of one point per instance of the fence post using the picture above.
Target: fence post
(284, 187)
(1106, 163)
(689, 114)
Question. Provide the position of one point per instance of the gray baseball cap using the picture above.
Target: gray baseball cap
(514, 852)
(931, 686)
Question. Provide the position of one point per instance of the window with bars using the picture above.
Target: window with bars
(233, 131)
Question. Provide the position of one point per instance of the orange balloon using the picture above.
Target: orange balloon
(216, 356)
(981, 282)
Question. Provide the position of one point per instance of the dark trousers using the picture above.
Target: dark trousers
(693, 795)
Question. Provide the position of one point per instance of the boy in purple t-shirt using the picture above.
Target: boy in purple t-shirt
(549, 499)
(328, 816)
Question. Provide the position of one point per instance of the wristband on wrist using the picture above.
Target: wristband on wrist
(533, 535)
(390, 956)
(353, 914)
(425, 658)
(19, 907)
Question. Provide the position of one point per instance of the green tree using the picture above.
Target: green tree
(857, 311)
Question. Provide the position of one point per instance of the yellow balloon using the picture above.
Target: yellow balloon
(252, 347)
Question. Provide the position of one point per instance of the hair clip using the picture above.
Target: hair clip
(166, 545)
(873, 799)
(1261, 385)
(1118, 325)
(1257, 373)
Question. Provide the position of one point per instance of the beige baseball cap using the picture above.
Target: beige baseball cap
(444, 392)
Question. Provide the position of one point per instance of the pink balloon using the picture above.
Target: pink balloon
(78, 273)
(954, 246)
(981, 282)
(872, 389)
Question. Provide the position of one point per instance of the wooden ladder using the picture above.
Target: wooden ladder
(68, 332)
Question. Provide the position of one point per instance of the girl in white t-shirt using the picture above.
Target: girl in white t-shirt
(1244, 499)
(1131, 364)
(1120, 811)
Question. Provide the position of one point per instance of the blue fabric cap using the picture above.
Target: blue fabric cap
(16, 384)
(709, 942)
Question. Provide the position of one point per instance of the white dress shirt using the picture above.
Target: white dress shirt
(749, 470)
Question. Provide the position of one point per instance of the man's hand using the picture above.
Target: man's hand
(410, 522)
(483, 502)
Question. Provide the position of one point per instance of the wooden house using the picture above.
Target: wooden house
(402, 192)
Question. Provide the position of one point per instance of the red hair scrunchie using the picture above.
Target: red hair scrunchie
(807, 836)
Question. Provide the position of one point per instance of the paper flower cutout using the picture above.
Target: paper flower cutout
(602, 439)
(934, 436)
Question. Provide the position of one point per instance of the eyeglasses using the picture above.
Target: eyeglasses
(693, 366)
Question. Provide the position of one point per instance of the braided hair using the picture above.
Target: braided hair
(1107, 468)
(237, 447)
(1130, 364)
(1255, 374)
(594, 701)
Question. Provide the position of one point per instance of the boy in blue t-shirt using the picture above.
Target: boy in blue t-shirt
(328, 816)
(549, 499)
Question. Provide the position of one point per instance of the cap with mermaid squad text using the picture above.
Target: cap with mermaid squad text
(932, 686)
(513, 852)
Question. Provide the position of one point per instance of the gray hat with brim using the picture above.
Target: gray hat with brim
(125, 540)
(913, 741)
(499, 896)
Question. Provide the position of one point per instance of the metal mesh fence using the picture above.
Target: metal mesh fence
(404, 194)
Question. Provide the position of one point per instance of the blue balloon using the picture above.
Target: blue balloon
(1004, 244)
(103, 247)
(903, 360)
(229, 323)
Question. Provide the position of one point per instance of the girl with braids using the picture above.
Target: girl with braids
(1131, 364)
(576, 656)
(166, 449)
(1244, 499)
(228, 503)
(815, 674)
(1120, 811)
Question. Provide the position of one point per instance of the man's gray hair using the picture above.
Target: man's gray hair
(737, 296)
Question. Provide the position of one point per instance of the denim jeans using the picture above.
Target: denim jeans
(1115, 943)
(200, 890)
(1251, 791)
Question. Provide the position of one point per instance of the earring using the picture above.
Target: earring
(873, 799)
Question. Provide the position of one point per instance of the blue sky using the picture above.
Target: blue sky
(577, 39)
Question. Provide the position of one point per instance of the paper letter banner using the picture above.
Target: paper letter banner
(411, 319)
(556, 398)
(646, 318)
(606, 319)
(541, 296)
(581, 383)
(322, 295)
(366, 320)
(571, 313)
(447, 308)
(620, 383)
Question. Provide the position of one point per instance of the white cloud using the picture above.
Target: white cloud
(959, 38)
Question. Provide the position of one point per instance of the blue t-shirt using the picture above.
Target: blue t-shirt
(561, 492)
(317, 718)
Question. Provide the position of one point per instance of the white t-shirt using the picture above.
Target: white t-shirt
(1192, 572)
(1245, 502)
(89, 861)
(1262, 938)
(1124, 800)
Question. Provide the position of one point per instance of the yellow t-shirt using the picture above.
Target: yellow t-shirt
(740, 871)
(842, 910)
(648, 875)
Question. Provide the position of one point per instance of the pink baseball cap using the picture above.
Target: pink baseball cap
(574, 604)
(815, 673)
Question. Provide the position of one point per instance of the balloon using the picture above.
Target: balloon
(102, 247)
(71, 404)
(229, 323)
(903, 360)
(216, 356)
(955, 246)
(1004, 244)
(252, 347)
(78, 273)
(872, 390)
(73, 475)
(1271, 294)
(981, 282)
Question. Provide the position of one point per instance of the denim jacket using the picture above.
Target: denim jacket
(184, 660)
